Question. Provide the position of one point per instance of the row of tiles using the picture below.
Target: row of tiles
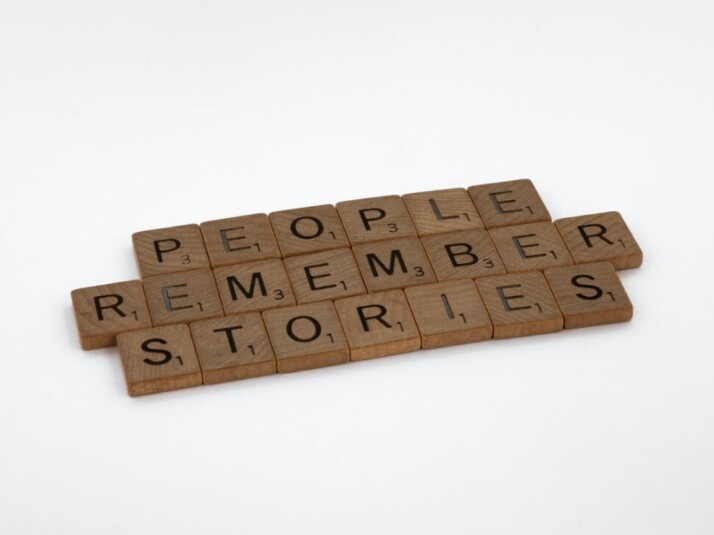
(312, 229)
(373, 325)
(186, 296)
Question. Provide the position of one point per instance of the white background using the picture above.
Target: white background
(124, 116)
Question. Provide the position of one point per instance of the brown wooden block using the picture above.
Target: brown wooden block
(158, 360)
(449, 313)
(530, 247)
(443, 210)
(520, 304)
(104, 311)
(308, 230)
(467, 254)
(392, 264)
(598, 237)
(167, 250)
(378, 325)
(253, 286)
(306, 336)
(589, 294)
(324, 275)
(239, 239)
(232, 348)
(182, 297)
(376, 218)
(509, 203)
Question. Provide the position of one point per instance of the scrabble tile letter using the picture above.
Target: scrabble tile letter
(598, 237)
(378, 325)
(182, 297)
(325, 275)
(308, 230)
(239, 239)
(449, 313)
(391, 264)
(168, 250)
(158, 360)
(530, 247)
(589, 294)
(465, 254)
(520, 305)
(232, 348)
(104, 311)
(442, 211)
(306, 336)
(509, 203)
(377, 218)
(253, 286)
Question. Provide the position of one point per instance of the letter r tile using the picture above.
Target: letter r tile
(104, 311)
(598, 237)
(378, 324)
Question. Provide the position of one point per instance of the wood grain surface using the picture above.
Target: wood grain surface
(378, 325)
(159, 359)
(598, 237)
(449, 313)
(589, 294)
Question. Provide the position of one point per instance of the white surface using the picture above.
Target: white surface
(118, 117)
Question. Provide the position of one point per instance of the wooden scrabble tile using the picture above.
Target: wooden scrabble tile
(449, 313)
(378, 324)
(530, 247)
(597, 237)
(306, 336)
(589, 294)
(182, 297)
(324, 275)
(239, 239)
(391, 264)
(466, 254)
(308, 230)
(167, 250)
(376, 218)
(158, 359)
(253, 286)
(443, 210)
(509, 203)
(102, 312)
(232, 348)
(520, 304)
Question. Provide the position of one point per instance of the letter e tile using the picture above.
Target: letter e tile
(520, 304)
